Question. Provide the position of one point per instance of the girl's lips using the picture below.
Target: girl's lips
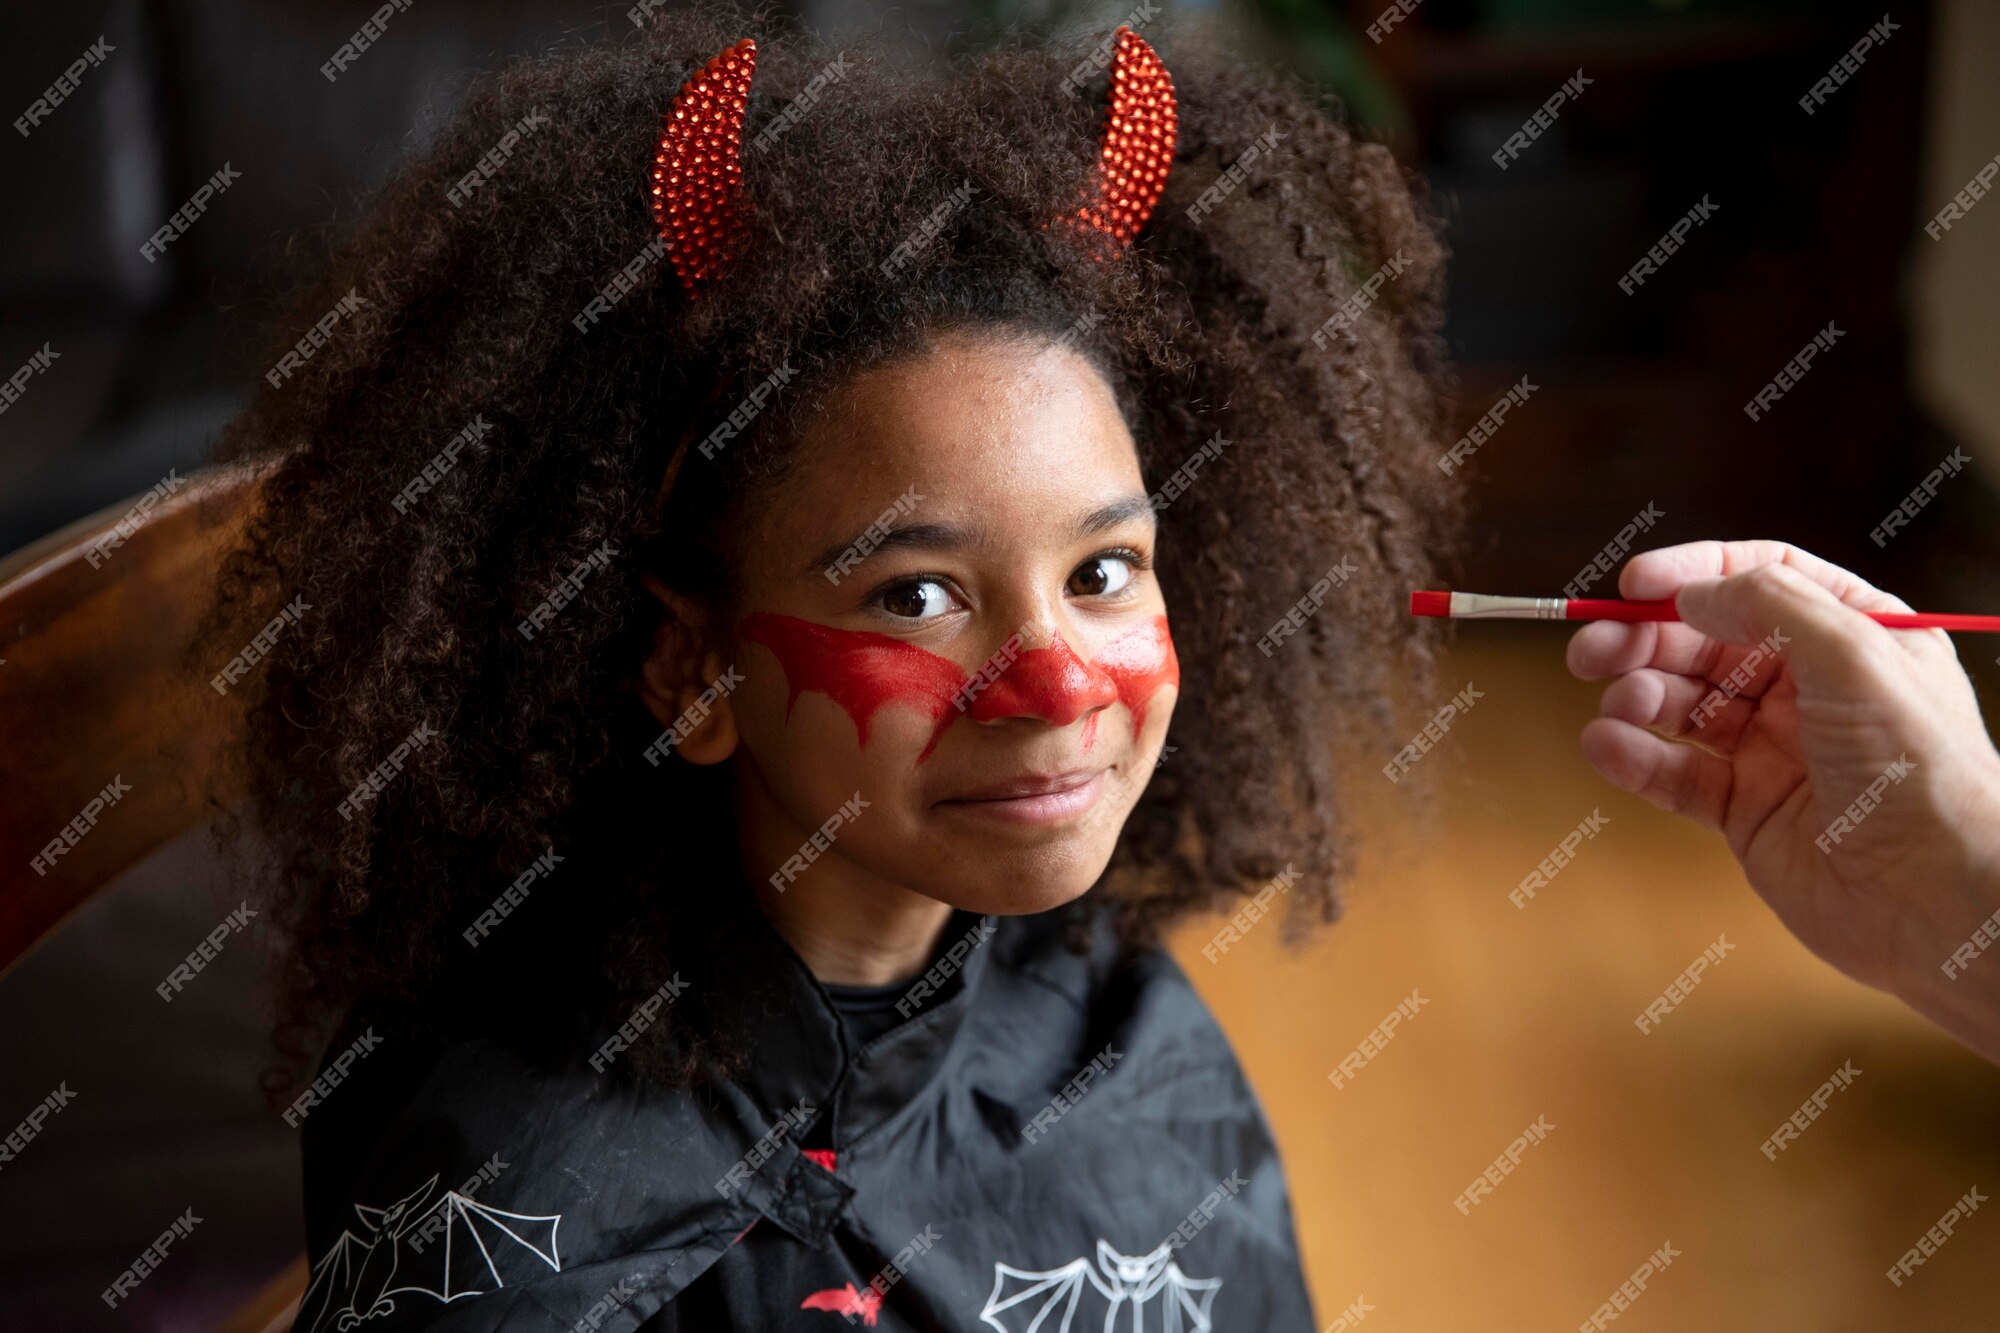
(1048, 807)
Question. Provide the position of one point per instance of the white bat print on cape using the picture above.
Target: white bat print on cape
(1142, 1294)
(442, 1248)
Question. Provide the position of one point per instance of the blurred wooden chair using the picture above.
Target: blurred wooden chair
(109, 744)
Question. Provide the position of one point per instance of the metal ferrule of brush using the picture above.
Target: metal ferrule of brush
(1486, 606)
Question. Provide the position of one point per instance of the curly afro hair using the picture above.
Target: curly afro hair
(1251, 313)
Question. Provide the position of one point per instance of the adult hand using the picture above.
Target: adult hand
(1845, 763)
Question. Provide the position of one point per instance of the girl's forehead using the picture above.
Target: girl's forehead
(967, 433)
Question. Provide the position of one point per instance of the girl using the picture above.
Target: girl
(754, 522)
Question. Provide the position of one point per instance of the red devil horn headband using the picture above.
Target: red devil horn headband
(697, 176)
(698, 173)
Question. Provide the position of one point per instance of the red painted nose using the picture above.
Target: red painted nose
(1050, 683)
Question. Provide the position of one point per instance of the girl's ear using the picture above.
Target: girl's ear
(684, 664)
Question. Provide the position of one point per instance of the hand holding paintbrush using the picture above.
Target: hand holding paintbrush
(1845, 761)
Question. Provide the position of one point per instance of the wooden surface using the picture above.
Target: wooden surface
(97, 691)
(1529, 1013)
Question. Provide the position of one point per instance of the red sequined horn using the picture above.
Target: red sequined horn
(1141, 127)
(697, 178)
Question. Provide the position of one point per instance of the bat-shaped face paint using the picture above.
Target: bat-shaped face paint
(863, 671)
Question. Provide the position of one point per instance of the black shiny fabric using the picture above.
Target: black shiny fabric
(1050, 1141)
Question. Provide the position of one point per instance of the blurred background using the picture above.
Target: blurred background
(1637, 408)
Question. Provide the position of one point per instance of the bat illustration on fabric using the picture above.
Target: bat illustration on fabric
(443, 1248)
(848, 1301)
(1141, 1294)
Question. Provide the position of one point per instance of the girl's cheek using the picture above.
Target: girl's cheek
(1140, 662)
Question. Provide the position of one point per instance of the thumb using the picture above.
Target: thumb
(1834, 649)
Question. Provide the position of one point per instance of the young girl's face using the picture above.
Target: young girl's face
(950, 635)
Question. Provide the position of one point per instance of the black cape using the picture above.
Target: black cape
(1052, 1141)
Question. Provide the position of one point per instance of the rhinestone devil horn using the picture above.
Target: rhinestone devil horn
(697, 178)
(1141, 127)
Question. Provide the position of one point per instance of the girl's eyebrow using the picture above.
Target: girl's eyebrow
(957, 536)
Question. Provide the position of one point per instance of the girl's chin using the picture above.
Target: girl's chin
(1016, 895)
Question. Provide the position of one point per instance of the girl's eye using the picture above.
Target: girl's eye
(1107, 574)
(916, 599)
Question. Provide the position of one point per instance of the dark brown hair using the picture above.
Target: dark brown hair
(468, 316)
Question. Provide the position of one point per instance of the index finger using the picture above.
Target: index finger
(1663, 571)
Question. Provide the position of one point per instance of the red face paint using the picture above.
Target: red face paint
(862, 671)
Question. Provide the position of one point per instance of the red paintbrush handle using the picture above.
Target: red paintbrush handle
(1612, 608)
